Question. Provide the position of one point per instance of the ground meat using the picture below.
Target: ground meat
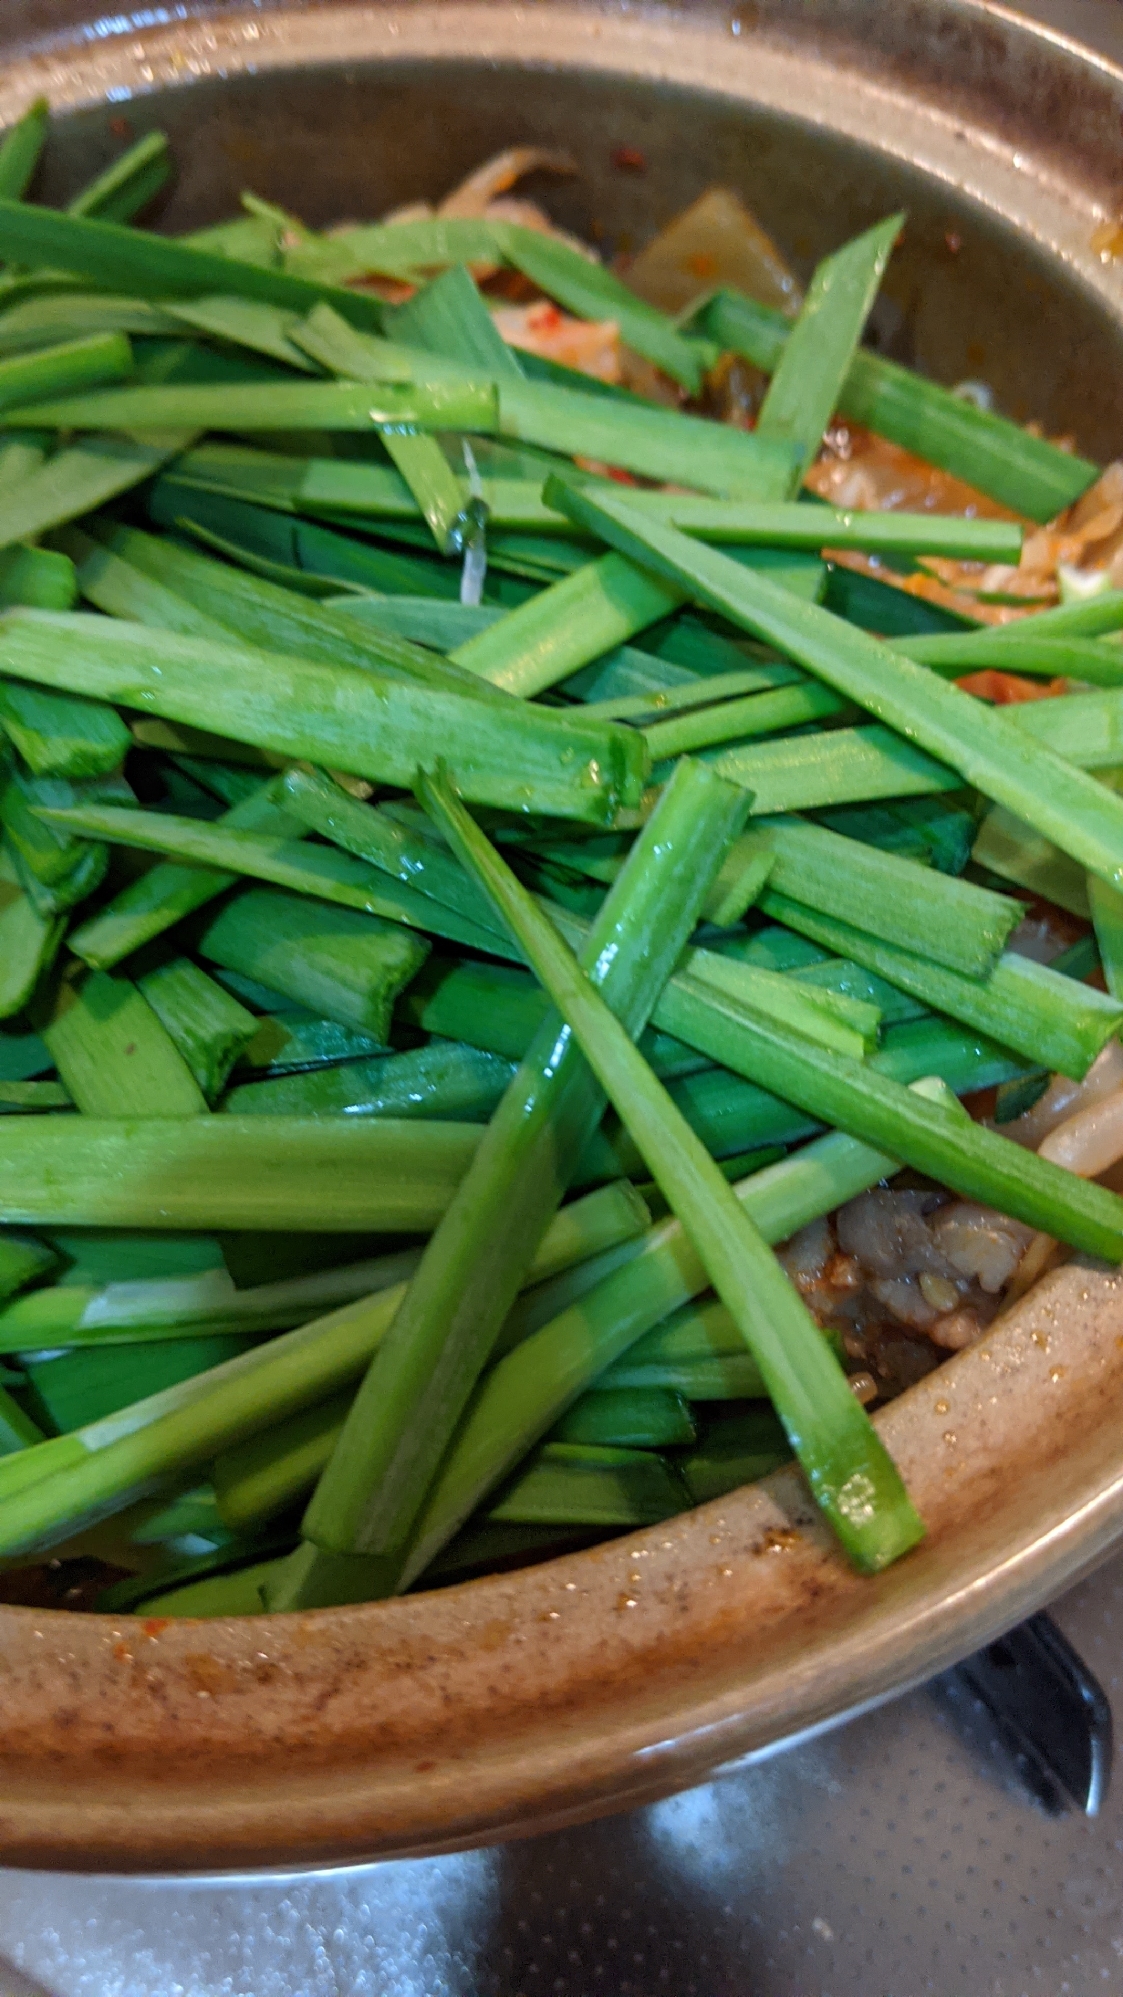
(889, 1232)
(905, 1301)
(981, 1244)
(905, 1274)
(806, 1255)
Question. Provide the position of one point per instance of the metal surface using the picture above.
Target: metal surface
(1005, 148)
(1030, 1694)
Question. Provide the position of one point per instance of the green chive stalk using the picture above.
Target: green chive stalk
(270, 1471)
(1069, 807)
(819, 349)
(89, 363)
(367, 1175)
(29, 940)
(1025, 653)
(1050, 1020)
(48, 316)
(715, 691)
(419, 459)
(591, 1232)
(85, 871)
(1107, 915)
(81, 476)
(736, 720)
(207, 1025)
(573, 621)
(335, 486)
(547, 1300)
(267, 405)
(336, 717)
(115, 1056)
(851, 1475)
(499, 1008)
(443, 1079)
(340, 964)
(17, 1430)
(640, 1418)
(656, 443)
(568, 1483)
(1084, 728)
(122, 589)
(931, 1137)
(832, 1018)
(914, 907)
(295, 552)
(785, 524)
(246, 322)
(101, 1468)
(358, 1523)
(41, 577)
(22, 1261)
(699, 1331)
(387, 843)
(19, 154)
(267, 1474)
(592, 292)
(258, 612)
(519, 1401)
(447, 316)
(48, 854)
(138, 263)
(31, 1098)
(128, 184)
(137, 1310)
(1006, 846)
(316, 871)
(617, 429)
(168, 892)
(837, 766)
(735, 1451)
(1091, 617)
(60, 734)
(1027, 473)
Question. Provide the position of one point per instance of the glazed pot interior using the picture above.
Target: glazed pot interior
(968, 296)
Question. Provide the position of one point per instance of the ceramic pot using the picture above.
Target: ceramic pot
(525, 1701)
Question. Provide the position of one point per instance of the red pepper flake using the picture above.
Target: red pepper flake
(953, 242)
(702, 264)
(1007, 689)
(601, 470)
(155, 1626)
(629, 159)
(120, 128)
